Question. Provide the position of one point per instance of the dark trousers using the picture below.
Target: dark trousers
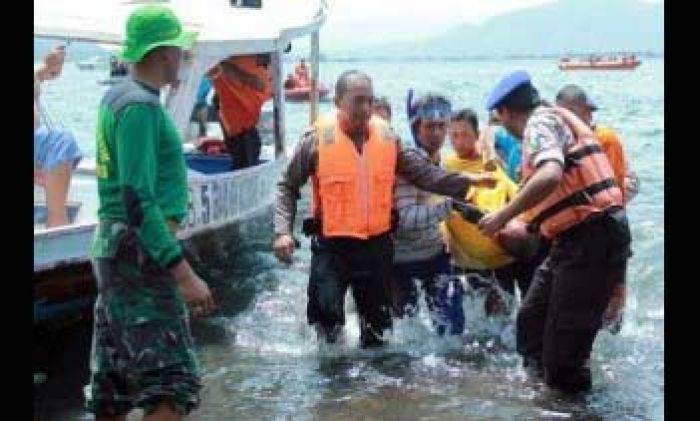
(244, 148)
(520, 273)
(562, 311)
(362, 265)
(443, 292)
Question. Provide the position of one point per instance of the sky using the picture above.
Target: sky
(355, 23)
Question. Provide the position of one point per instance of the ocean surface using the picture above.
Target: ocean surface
(260, 360)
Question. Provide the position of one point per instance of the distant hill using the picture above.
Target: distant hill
(561, 27)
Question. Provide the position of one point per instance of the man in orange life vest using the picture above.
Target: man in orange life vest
(352, 159)
(242, 84)
(569, 192)
(574, 99)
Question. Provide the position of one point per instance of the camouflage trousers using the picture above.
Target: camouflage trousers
(142, 351)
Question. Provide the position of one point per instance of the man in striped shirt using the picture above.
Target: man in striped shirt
(419, 251)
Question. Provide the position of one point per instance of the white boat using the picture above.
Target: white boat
(89, 64)
(218, 199)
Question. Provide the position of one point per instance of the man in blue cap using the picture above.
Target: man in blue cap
(570, 195)
(142, 352)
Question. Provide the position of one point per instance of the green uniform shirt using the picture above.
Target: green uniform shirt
(142, 177)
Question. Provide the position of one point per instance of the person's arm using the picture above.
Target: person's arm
(136, 144)
(415, 216)
(299, 168)
(511, 187)
(578, 126)
(625, 178)
(547, 140)
(546, 178)
(616, 157)
(420, 172)
(52, 66)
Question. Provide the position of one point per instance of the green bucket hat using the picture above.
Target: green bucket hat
(153, 26)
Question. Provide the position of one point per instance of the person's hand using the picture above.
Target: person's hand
(616, 306)
(467, 211)
(194, 290)
(283, 247)
(491, 165)
(631, 187)
(490, 224)
(53, 63)
(482, 180)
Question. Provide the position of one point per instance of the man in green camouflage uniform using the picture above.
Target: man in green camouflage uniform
(142, 352)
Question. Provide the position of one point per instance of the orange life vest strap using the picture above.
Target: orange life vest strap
(571, 159)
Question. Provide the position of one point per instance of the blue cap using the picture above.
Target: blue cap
(505, 87)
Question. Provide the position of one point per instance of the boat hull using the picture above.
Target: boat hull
(214, 201)
(599, 66)
(63, 281)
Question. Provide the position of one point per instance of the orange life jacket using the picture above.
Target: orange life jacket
(239, 104)
(352, 192)
(587, 187)
(612, 146)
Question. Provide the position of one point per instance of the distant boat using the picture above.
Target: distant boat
(90, 64)
(626, 62)
(303, 93)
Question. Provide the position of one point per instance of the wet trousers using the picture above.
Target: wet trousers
(562, 311)
(443, 292)
(364, 266)
(142, 348)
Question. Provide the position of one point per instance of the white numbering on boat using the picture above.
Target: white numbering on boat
(219, 199)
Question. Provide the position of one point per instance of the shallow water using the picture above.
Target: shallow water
(261, 360)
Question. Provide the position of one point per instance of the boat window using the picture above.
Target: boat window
(253, 4)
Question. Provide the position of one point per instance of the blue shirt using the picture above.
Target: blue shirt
(509, 150)
(203, 91)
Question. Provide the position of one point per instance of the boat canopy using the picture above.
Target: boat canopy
(223, 30)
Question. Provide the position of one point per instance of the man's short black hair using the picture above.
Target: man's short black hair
(468, 116)
(522, 99)
(344, 80)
